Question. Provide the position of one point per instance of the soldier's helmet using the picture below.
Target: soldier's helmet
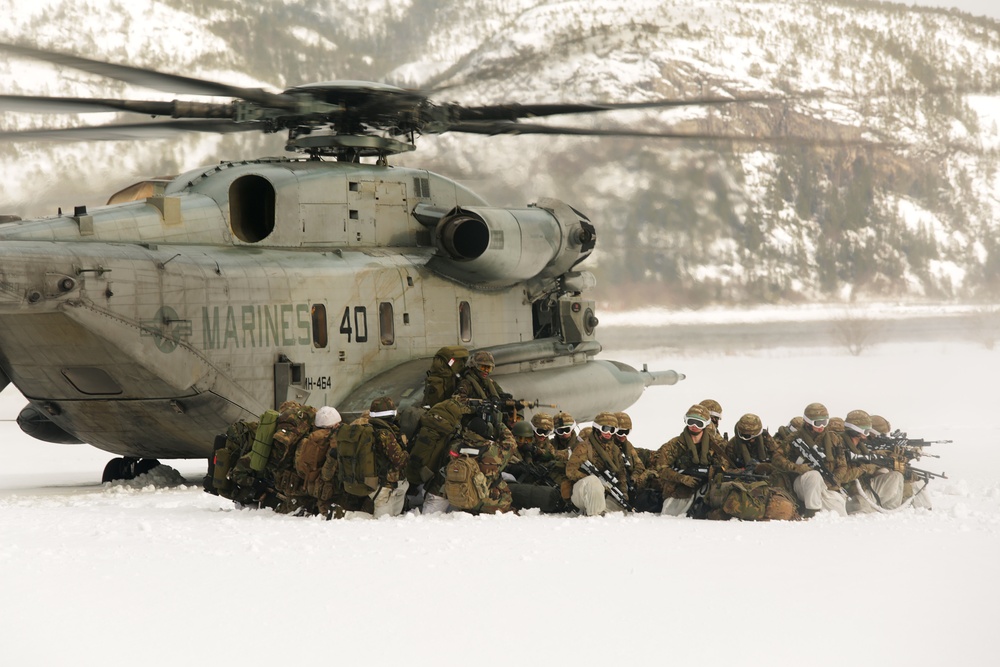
(327, 417)
(714, 408)
(624, 422)
(749, 426)
(881, 424)
(563, 423)
(796, 423)
(836, 425)
(698, 416)
(482, 360)
(606, 423)
(858, 421)
(382, 407)
(816, 415)
(523, 429)
(542, 421)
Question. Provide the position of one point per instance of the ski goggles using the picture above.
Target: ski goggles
(748, 436)
(486, 368)
(607, 428)
(623, 431)
(822, 422)
(542, 432)
(564, 430)
(697, 422)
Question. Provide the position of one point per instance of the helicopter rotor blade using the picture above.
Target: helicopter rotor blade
(513, 128)
(516, 111)
(174, 109)
(166, 129)
(171, 83)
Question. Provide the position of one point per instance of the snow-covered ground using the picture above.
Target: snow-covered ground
(167, 575)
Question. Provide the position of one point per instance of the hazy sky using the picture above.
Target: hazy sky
(976, 7)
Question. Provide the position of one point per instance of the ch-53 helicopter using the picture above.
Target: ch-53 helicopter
(146, 326)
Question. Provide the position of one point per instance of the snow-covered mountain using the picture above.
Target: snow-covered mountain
(912, 213)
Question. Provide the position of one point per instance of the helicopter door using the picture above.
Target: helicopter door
(289, 382)
(360, 222)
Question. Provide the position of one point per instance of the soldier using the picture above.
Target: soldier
(598, 448)
(753, 449)
(811, 485)
(536, 474)
(475, 381)
(695, 447)
(715, 411)
(390, 459)
(491, 456)
(564, 427)
(874, 484)
(912, 488)
(643, 484)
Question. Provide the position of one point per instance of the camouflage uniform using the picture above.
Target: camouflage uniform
(693, 448)
(877, 485)
(598, 447)
(643, 481)
(752, 448)
(390, 458)
(475, 381)
(810, 486)
(912, 488)
(494, 455)
(563, 444)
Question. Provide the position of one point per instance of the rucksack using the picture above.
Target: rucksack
(237, 441)
(747, 501)
(437, 427)
(311, 453)
(465, 484)
(356, 459)
(263, 439)
(442, 378)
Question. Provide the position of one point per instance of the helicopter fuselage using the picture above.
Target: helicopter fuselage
(145, 327)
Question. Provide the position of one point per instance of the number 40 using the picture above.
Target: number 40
(360, 329)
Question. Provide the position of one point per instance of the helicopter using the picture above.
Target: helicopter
(146, 326)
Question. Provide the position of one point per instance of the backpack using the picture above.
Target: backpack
(442, 378)
(311, 453)
(747, 501)
(437, 426)
(465, 484)
(262, 440)
(356, 459)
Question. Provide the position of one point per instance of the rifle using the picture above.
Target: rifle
(814, 459)
(707, 474)
(532, 473)
(927, 475)
(610, 482)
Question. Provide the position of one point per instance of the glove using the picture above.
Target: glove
(689, 481)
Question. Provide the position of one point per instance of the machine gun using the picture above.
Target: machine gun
(813, 458)
(610, 482)
(492, 409)
(898, 439)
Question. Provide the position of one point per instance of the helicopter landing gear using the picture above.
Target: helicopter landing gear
(127, 467)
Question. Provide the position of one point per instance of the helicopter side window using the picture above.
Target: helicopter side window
(465, 321)
(320, 338)
(386, 326)
(251, 208)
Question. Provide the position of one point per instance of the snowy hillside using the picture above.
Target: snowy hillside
(911, 212)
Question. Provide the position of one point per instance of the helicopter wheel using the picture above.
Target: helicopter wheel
(127, 467)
